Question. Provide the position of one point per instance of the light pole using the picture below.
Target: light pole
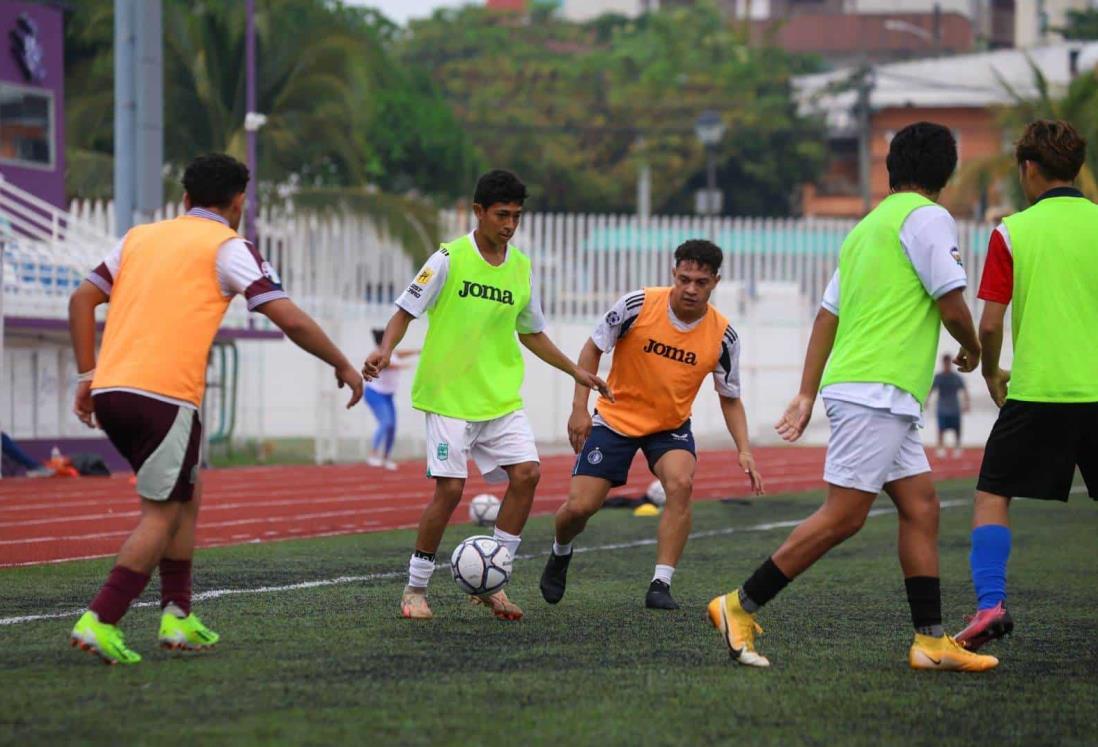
(710, 129)
(253, 120)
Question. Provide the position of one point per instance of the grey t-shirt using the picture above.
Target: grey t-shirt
(948, 386)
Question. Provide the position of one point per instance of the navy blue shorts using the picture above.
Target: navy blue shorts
(949, 423)
(609, 455)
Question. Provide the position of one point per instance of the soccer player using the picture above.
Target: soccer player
(952, 401)
(665, 342)
(169, 285)
(899, 278)
(477, 292)
(1043, 261)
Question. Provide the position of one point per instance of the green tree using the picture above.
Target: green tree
(576, 109)
(1081, 24)
(1077, 105)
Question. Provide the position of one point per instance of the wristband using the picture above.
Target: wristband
(86, 376)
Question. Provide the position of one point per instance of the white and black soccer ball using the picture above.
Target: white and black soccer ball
(656, 494)
(481, 565)
(484, 510)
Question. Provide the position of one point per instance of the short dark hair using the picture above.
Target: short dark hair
(702, 253)
(499, 185)
(379, 335)
(922, 155)
(1055, 146)
(213, 180)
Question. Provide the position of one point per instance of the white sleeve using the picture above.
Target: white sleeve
(103, 276)
(831, 295)
(618, 320)
(531, 319)
(929, 236)
(421, 294)
(241, 269)
(726, 376)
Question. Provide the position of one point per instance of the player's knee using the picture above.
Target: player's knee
(526, 475)
(846, 526)
(448, 490)
(678, 487)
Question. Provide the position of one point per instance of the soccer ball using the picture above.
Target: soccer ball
(655, 493)
(481, 565)
(484, 509)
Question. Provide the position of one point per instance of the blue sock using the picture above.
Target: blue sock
(990, 550)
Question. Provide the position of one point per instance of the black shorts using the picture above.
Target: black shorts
(1034, 448)
(609, 455)
(161, 441)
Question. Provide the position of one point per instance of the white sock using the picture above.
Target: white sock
(559, 549)
(419, 572)
(508, 540)
(664, 573)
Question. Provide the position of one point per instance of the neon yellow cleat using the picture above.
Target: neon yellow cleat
(178, 633)
(737, 627)
(946, 655)
(102, 640)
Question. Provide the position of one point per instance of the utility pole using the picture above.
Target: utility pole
(252, 122)
(644, 182)
(866, 82)
(138, 111)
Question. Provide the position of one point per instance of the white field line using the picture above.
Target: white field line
(342, 580)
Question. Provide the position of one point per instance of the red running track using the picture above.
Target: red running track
(53, 520)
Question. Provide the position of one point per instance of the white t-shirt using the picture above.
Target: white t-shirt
(420, 297)
(929, 238)
(386, 382)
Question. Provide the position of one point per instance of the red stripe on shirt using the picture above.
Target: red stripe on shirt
(997, 284)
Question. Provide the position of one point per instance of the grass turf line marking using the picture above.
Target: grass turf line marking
(341, 580)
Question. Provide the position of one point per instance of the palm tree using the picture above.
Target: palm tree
(1078, 105)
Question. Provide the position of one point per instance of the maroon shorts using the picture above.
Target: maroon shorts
(161, 441)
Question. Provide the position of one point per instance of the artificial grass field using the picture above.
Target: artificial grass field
(337, 664)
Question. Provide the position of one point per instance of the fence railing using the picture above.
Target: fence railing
(344, 267)
(583, 263)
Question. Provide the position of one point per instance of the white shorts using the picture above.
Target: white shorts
(870, 447)
(492, 444)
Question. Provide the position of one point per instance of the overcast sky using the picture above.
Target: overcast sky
(401, 10)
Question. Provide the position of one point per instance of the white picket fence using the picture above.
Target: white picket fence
(343, 267)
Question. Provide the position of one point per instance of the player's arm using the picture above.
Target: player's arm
(395, 330)
(540, 345)
(796, 416)
(991, 337)
(307, 335)
(579, 422)
(957, 320)
(996, 291)
(82, 305)
(735, 418)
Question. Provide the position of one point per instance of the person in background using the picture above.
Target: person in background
(952, 400)
(379, 398)
(13, 452)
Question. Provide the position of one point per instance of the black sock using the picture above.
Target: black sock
(764, 585)
(425, 555)
(924, 595)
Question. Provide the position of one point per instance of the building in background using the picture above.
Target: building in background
(32, 99)
(960, 92)
(1037, 21)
